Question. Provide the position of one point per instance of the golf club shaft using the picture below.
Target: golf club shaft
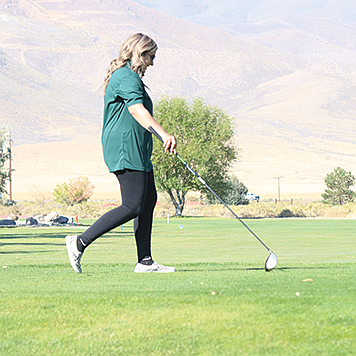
(201, 180)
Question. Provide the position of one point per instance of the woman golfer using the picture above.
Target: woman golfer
(127, 147)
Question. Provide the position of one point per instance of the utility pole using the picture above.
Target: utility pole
(279, 187)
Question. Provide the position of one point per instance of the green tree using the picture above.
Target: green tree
(78, 190)
(338, 191)
(5, 155)
(204, 135)
(234, 193)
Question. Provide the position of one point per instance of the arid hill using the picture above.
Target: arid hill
(291, 90)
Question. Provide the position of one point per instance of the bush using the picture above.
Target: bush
(78, 190)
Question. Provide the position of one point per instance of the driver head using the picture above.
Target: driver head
(271, 262)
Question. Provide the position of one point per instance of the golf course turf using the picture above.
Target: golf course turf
(219, 302)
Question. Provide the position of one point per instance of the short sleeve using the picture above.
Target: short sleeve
(131, 89)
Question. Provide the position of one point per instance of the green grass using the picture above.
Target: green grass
(220, 301)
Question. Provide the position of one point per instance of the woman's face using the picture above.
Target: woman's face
(148, 58)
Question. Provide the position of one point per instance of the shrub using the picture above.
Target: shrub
(78, 190)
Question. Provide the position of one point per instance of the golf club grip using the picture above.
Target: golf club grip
(155, 133)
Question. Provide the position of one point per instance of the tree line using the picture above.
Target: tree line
(205, 139)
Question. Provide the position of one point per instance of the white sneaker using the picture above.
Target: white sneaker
(74, 255)
(155, 267)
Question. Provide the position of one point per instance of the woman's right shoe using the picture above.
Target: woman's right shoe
(154, 267)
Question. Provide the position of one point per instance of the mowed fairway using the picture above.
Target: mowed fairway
(219, 302)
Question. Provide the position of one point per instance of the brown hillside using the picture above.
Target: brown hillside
(294, 114)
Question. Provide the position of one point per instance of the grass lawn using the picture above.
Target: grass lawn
(219, 302)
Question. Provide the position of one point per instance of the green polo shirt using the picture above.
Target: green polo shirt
(126, 144)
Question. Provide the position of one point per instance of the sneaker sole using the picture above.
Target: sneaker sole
(154, 271)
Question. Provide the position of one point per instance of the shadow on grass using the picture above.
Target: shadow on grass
(25, 252)
(305, 267)
(222, 269)
(214, 217)
(41, 235)
(15, 244)
(32, 244)
(251, 269)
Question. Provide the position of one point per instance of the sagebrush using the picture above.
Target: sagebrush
(194, 207)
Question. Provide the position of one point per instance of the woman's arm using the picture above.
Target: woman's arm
(145, 119)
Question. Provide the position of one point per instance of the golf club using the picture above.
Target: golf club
(271, 261)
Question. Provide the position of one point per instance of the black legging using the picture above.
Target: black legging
(139, 197)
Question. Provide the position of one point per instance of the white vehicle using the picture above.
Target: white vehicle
(251, 196)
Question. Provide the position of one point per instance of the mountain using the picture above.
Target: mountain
(39, 109)
(255, 16)
(286, 73)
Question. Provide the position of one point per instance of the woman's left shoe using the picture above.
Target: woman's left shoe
(74, 255)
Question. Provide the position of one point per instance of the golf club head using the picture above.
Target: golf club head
(271, 262)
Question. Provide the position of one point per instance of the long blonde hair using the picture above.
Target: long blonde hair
(132, 49)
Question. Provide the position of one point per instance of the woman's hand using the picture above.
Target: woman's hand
(169, 144)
